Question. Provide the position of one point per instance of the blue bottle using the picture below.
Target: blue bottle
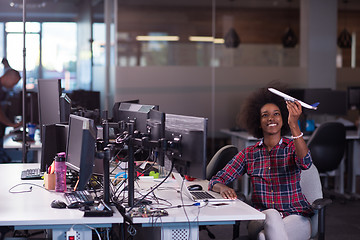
(60, 172)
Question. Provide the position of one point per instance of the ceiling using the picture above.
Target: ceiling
(66, 10)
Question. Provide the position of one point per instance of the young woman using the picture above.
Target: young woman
(273, 165)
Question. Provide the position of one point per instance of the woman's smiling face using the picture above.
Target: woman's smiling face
(270, 119)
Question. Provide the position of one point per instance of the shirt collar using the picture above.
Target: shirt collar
(261, 143)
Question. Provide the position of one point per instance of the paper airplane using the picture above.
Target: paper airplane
(292, 99)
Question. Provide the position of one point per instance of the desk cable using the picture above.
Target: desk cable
(25, 191)
(186, 205)
(153, 189)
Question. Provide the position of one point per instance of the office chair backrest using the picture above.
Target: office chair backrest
(327, 146)
(220, 159)
(311, 187)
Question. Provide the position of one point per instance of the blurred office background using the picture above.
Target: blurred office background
(191, 57)
(198, 58)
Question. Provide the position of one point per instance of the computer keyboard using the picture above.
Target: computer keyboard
(77, 198)
(201, 195)
(32, 173)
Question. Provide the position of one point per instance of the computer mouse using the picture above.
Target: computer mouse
(58, 204)
(195, 187)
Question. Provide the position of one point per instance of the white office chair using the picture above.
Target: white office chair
(311, 187)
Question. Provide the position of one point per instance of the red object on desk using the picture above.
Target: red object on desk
(189, 178)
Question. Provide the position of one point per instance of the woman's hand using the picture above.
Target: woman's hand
(295, 111)
(225, 191)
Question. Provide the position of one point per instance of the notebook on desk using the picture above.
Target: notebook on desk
(198, 195)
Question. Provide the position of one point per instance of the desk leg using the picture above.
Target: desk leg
(339, 177)
(180, 231)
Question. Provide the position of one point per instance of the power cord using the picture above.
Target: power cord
(25, 191)
(153, 189)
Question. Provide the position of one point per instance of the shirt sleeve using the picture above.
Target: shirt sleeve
(304, 163)
(232, 170)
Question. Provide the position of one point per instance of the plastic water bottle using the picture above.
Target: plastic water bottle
(60, 172)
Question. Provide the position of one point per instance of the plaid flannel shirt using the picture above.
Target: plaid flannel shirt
(274, 175)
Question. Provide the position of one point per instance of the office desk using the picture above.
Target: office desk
(31, 210)
(178, 224)
(244, 139)
(9, 143)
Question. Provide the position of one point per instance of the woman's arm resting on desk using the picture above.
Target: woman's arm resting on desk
(225, 191)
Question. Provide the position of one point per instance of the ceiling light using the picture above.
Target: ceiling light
(29, 3)
(157, 38)
(206, 39)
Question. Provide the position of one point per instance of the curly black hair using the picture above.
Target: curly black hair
(250, 113)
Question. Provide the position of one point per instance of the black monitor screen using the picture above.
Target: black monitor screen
(353, 94)
(89, 100)
(49, 91)
(188, 136)
(80, 149)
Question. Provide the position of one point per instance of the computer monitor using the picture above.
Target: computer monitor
(156, 132)
(186, 148)
(80, 149)
(54, 141)
(49, 91)
(353, 97)
(117, 105)
(32, 109)
(89, 100)
(134, 113)
(65, 108)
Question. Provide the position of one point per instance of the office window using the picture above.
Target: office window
(99, 43)
(14, 48)
(59, 52)
(50, 51)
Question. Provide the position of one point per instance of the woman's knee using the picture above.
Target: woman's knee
(272, 215)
